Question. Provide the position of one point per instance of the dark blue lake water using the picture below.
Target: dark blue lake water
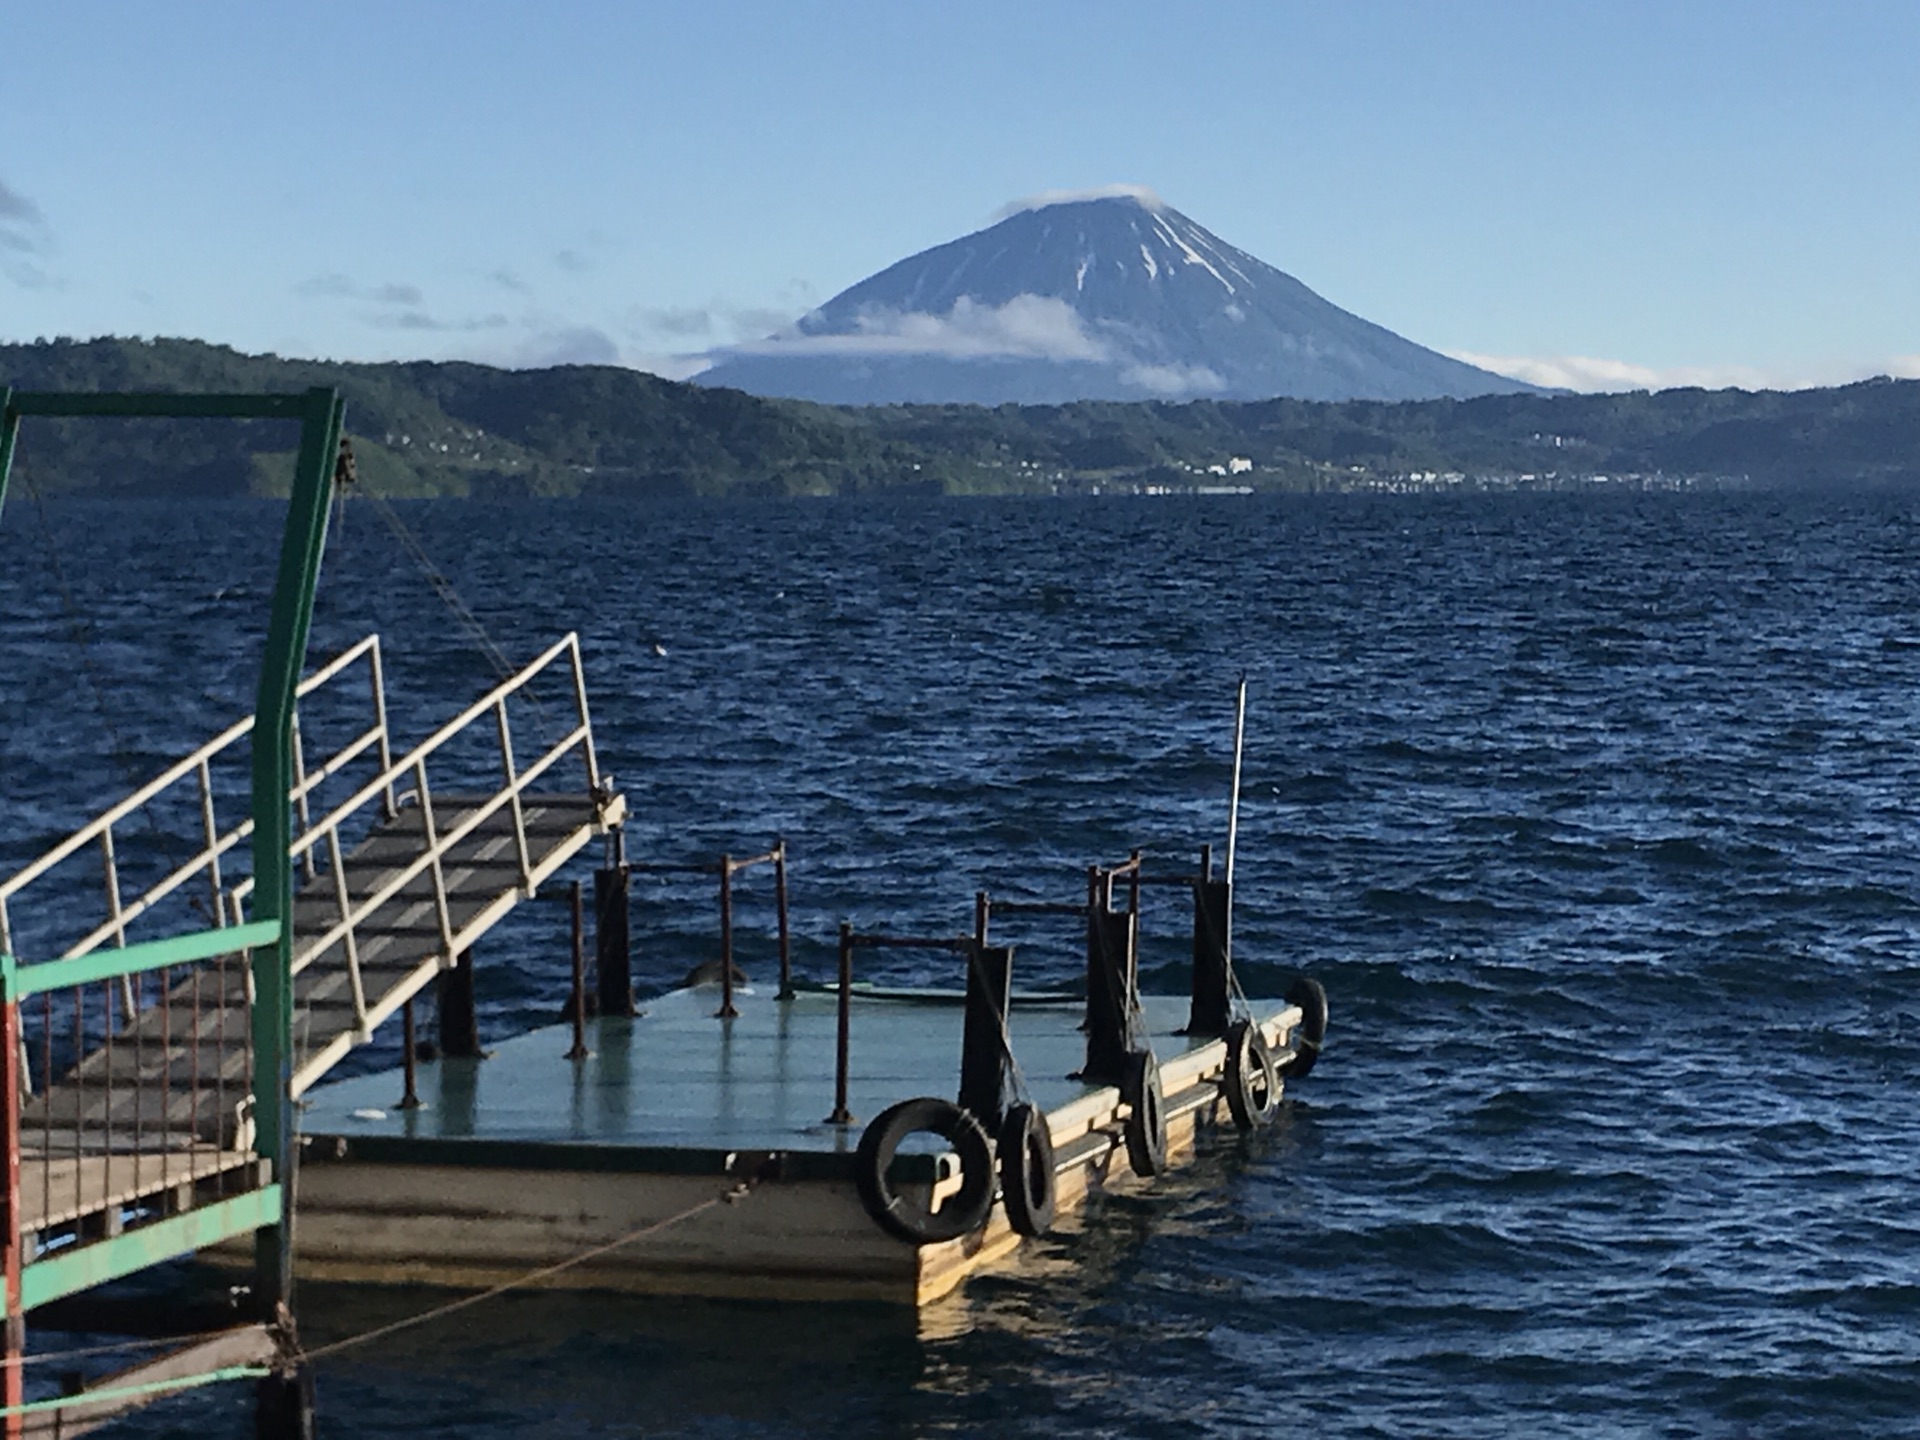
(1594, 814)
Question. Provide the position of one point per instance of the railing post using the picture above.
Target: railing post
(586, 721)
(385, 748)
(841, 1115)
(301, 806)
(112, 871)
(212, 823)
(432, 835)
(726, 1010)
(513, 790)
(349, 940)
(780, 905)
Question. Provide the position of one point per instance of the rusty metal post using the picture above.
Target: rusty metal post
(613, 958)
(780, 906)
(841, 1115)
(12, 1383)
(411, 1099)
(578, 1005)
(726, 1010)
(1210, 1011)
(1112, 1026)
(985, 1073)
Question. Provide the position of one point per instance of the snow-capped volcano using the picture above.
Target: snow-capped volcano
(1090, 295)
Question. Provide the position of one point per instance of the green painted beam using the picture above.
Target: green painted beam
(83, 1266)
(288, 623)
(20, 981)
(161, 406)
(151, 1390)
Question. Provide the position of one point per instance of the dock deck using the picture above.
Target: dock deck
(527, 1158)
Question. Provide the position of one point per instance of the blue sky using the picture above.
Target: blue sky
(1590, 193)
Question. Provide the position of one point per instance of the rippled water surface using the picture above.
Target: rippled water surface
(1592, 813)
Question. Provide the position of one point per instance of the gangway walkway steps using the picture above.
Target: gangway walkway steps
(401, 880)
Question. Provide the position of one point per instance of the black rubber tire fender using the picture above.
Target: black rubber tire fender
(1252, 1081)
(963, 1213)
(1146, 1124)
(1311, 996)
(1026, 1170)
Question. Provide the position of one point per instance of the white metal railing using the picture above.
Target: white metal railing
(216, 843)
(321, 844)
(516, 781)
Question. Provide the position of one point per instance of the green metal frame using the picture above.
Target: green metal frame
(268, 1212)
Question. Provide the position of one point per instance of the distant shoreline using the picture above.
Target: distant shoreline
(424, 429)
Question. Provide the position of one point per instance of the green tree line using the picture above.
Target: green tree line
(457, 429)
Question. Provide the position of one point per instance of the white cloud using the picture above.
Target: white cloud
(1033, 327)
(1169, 381)
(1590, 373)
(1070, 197)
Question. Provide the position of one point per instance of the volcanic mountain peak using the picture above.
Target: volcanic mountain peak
(1073, 295)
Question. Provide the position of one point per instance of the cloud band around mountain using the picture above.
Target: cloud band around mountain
(1027, 327)
(1591, 374)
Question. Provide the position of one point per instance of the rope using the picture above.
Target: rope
(442, 586)
(1021, 1090)
(146, 1342)
(440, 1312)
(450, 597)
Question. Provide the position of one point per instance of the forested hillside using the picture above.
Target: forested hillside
(461, 429)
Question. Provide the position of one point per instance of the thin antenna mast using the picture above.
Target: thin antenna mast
(1239, 741)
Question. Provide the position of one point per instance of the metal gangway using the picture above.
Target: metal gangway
(139, 1095)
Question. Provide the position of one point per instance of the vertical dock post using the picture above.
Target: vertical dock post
(459, 1024)
(1212, 950)
(726, 1010)
(984, 1078)
(612, 953)
(1110, 983)
(577, 1002)
(841, 1115)
(780, 906)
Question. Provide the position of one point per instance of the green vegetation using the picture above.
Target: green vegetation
(469, 430)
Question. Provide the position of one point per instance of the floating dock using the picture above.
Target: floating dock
(526, 1159)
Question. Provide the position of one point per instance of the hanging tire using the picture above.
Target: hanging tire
(1146, 1126)
(961, 1214)
(1252, 1082)
(1311, 996)
(1026, 1170)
